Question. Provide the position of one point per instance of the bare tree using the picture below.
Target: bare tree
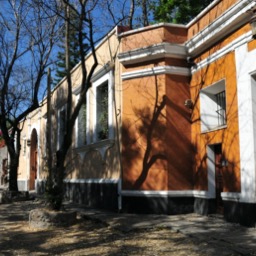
(27, 36)
(92, 16)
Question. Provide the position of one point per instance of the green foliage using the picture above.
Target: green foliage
(74, 49)
(178, 11)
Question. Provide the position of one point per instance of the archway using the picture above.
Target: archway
(33, 160)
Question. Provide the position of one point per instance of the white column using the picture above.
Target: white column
(245, 65)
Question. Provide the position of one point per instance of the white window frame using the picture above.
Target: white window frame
(108, 77)
(88, 137)
(208, 106)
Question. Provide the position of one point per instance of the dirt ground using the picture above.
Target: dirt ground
(88, 237)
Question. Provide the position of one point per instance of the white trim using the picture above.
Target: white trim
(143, 29)
(159, 193)
(245, 38)
(103, 71)
(246, 97)
(114, 31)
(208, 106)
(231, 196)
(203, 194)
(229, 21)
(169, 193)
(89, 181)
(163, 50)
(109, 77)
(170, 70)
(227, 196)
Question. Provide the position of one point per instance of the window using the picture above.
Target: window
(101, 99)
(213, 106)
(221, 107)
(94, 124)
(102, 111)
(82, 126)
(61, 125)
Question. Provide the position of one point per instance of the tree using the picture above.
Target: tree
(89, 31)
(178, 11)
(27, 36)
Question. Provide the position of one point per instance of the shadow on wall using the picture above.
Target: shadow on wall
(143, 142)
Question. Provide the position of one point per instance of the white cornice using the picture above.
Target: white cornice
(171, 70)
(143, 29)
(104, 70)
(229, 21)
(153, 52)
(222, 52)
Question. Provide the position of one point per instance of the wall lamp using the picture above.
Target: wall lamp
(189, 104)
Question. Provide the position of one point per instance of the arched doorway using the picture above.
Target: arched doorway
(33, 160)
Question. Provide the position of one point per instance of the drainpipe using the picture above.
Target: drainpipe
(117, 113)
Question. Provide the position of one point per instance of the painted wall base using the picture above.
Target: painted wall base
(96, 195)
(22, 185)
(204, 206)
(242, 213)
(157, 205)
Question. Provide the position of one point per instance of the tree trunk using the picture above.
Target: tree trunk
(145, 13)
(55, 190)
(14, 153)
(13, 173)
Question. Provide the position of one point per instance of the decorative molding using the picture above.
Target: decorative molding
(104, 70)
(100, 146)
(143, 29)
(76, 90)
(163, 50)
(170, 70)
(222, 52)
(229, 21)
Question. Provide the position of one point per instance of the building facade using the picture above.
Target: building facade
(169, 124)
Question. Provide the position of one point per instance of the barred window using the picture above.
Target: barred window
(221, 107)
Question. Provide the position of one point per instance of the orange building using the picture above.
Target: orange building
(181, 131)
(188, 115)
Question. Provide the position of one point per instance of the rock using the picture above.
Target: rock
(43, 218)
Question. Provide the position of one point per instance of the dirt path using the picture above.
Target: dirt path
(88, 237)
